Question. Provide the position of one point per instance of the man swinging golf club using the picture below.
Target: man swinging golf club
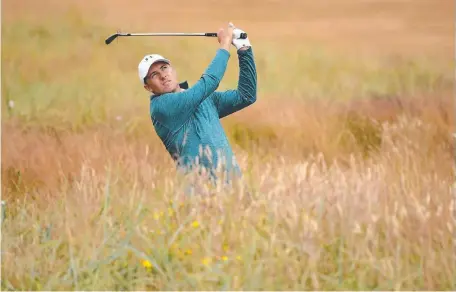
(187, 119)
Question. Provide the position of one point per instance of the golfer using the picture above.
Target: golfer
(187, 119)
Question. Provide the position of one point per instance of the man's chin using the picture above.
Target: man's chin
(169, 88)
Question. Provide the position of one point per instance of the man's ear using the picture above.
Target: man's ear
(146, 87)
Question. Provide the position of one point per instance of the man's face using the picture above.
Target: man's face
(161, 78)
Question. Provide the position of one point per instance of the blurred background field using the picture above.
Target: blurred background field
(347, 154)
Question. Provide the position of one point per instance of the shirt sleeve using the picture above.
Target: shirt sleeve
(231, 101)
(174, 109)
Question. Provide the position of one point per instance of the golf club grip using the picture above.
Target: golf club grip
(214, 34)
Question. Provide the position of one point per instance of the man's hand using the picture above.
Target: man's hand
(240, 44)
(225, 37)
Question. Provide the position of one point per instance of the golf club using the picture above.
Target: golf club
(204, 34)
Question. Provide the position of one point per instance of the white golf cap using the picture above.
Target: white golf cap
(146, 62)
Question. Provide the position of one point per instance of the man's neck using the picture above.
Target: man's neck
(178, 89)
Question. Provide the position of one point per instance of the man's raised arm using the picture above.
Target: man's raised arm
(174, 109)
(231, 101)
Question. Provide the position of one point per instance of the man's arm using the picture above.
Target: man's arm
(174, 109)
(231, 101)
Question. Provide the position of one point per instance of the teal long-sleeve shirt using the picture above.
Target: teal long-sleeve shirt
(188, 122)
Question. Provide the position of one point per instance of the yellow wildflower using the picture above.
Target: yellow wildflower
(156, 216)
(188, 251)
(225, 247)
(224, 258)
(238, 258)
(195, 224)
(146, 264)
(206, 261)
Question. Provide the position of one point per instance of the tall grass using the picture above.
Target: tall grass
(347, 171)
(378, 223)
(88, 210)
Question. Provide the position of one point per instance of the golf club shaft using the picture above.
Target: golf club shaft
(205, 34)
(208, 34)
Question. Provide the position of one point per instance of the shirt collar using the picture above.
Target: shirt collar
(184, 85)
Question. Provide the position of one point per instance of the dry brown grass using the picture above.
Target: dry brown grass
(295, 130)
(380, 222)
(328, 201)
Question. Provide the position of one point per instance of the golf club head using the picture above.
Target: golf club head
(111, 38)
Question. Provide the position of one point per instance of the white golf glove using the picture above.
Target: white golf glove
(240, 43)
